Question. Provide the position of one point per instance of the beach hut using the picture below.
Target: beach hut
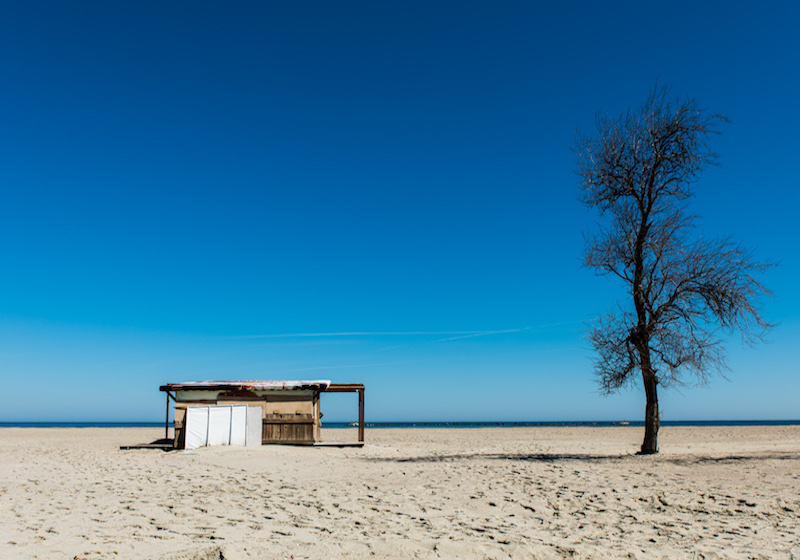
(228, 412)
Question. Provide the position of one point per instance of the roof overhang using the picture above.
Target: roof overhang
(249, 385)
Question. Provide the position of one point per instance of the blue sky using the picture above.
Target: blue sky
(364, 192)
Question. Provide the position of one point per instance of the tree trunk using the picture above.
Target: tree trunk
(651, 417)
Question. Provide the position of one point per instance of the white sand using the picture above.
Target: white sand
(722, 492)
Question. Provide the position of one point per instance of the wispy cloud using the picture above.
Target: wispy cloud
(449, 335)
(377, 333)
(350, 366)
(482, 333)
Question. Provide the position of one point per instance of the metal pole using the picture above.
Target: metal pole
(166, 422)
(361, 415)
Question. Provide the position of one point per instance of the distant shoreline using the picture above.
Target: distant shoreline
(442, 424)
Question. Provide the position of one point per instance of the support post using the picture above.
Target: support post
(361, 415)
(350, 388)
(166, 422)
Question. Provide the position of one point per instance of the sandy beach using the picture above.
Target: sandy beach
(713, 492)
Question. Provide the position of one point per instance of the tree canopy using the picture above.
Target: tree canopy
(684, 294)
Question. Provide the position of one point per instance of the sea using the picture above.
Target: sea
(371, 425)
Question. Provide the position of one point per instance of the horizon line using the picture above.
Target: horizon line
(157, 423)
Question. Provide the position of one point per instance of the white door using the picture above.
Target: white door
(239, 424)
(254, 425)
(196, 426)
(219, 425)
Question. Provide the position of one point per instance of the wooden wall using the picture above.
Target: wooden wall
(288, 418)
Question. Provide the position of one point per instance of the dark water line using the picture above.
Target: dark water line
(82, 424)
(599, 424)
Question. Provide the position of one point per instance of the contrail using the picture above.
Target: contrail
(481, 333)
(347, 366)
(453, 335)
(367, 333)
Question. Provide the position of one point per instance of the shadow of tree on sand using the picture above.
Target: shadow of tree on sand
(733, 459)
(528, 457)
(594, 458)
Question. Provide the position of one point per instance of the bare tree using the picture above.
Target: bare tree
(685, 295)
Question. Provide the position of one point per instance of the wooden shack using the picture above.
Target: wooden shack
(290, 410)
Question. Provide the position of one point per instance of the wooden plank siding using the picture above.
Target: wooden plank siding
(291, 429)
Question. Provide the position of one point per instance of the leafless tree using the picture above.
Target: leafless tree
(684, 294)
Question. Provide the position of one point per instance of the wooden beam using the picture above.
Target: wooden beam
(289, 419)
(352, 388)
(166, 422)
(361, 414)
(344, 388)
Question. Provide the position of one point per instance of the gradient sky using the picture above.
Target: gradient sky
(364, 192)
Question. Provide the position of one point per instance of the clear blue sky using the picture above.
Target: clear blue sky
(364, 192)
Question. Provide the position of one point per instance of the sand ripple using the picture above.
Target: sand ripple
(721, 492)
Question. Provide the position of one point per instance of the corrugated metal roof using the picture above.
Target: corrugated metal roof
(249, 384)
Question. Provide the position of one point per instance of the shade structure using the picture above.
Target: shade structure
(290, 410)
